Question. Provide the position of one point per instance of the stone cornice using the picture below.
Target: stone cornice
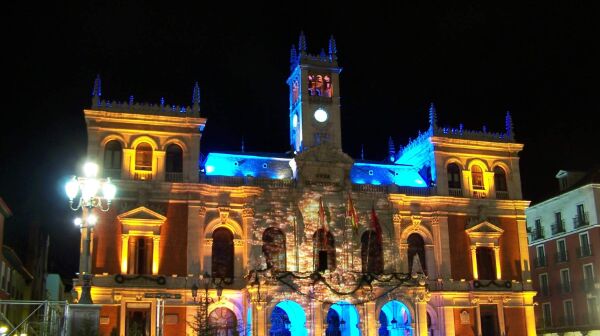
(149, 119)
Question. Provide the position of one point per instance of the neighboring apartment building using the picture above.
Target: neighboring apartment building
(448, 204)
(564, 243)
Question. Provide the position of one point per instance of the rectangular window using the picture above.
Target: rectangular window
(584, 245)
(544, 290)
(561, 248)
(588, 277)
(569, 314)
(565, 280)
(547, 314)
(538, 231)
(593, 311)
(559, 225)
(540, 261)
(581, 219)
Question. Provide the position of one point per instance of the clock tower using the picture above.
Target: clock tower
(314, 97)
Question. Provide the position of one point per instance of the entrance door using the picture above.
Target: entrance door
(489, 320)
(137, 322)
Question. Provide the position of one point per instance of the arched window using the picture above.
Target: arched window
(113, 153)
(222, 253)
(370, 252)
(416, 248)
(174, 163)
(222, 322)
(500, 179)
(454, 176)
(274, 248)
(477, 177)
(143, 157)
(323, 250)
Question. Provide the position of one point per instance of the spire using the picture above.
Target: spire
(97, 91)
(322, 54)
(196, 98)
(243, 145)
(293, 55)
(362, 151)
(509, 126)
(332, 47)
(391, 149)
(302, 42)
(432, 116)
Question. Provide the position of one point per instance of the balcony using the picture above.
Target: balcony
(561, 257)
(173, 177)
(502, 195)
(558, 227)
(540, 261)
(537, 233)
(114, 174)
(455, 192)
(479, 194)
(581, 220)
(544, 291)
(564, 288)
(589, 285)
(142, 175)
(584, 251)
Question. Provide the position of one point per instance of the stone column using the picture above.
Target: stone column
(444, 247)
(421, 305)
(474, 261)
(448, 321)
(498, 262)
(430, 261)
(371, 320)
(155, 254)
(195, 239)
(124, 254)
(128, 163)
(159, 165)
(261, 319)
(318, 319)
(478, 318)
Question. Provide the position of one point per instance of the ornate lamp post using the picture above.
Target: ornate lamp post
(205, 300)
(88, 186)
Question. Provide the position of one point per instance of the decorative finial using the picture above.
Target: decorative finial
(293, 55)
(302, 42)
(509, 126)
(97, 91)
(332, 46)
(484, 129)
(432, 116)
(196, 98)
(131, 100)
(243, 146)
(362, 151)
(322, 54)
(391, 149)
(162, 101)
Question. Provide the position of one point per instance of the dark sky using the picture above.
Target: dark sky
(475, 61)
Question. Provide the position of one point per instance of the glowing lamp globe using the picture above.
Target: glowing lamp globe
(90, 169)
(109, 190)
(90, 188)
(72, 188)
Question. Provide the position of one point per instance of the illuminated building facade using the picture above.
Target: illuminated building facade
(564, 242)
(433, 242)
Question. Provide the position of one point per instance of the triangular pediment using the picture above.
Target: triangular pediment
(484, 227)
(141, 214)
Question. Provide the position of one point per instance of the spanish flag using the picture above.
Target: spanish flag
(351, 215)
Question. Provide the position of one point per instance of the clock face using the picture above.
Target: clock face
(320, 115)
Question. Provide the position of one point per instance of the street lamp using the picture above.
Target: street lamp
(88, 186)
(204, 301)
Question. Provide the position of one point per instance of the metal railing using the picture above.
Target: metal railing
(581, 220)
(38, 318)
(502, 195)
(174, 176)
(564, 288)
(112, 173)
(537, 233)
(558, 227)
(142, 175)
(589, 285)
(455, 192)
(540, 261)
(584, 251)
(561, 256)
(544, 291)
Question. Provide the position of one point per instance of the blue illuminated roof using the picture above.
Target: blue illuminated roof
(386, 174)
(245, 164)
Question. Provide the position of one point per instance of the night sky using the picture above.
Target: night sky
(474, 61)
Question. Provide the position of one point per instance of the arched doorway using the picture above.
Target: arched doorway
(395, 319)
(288, 319)
(342, 320)
(222, 322)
